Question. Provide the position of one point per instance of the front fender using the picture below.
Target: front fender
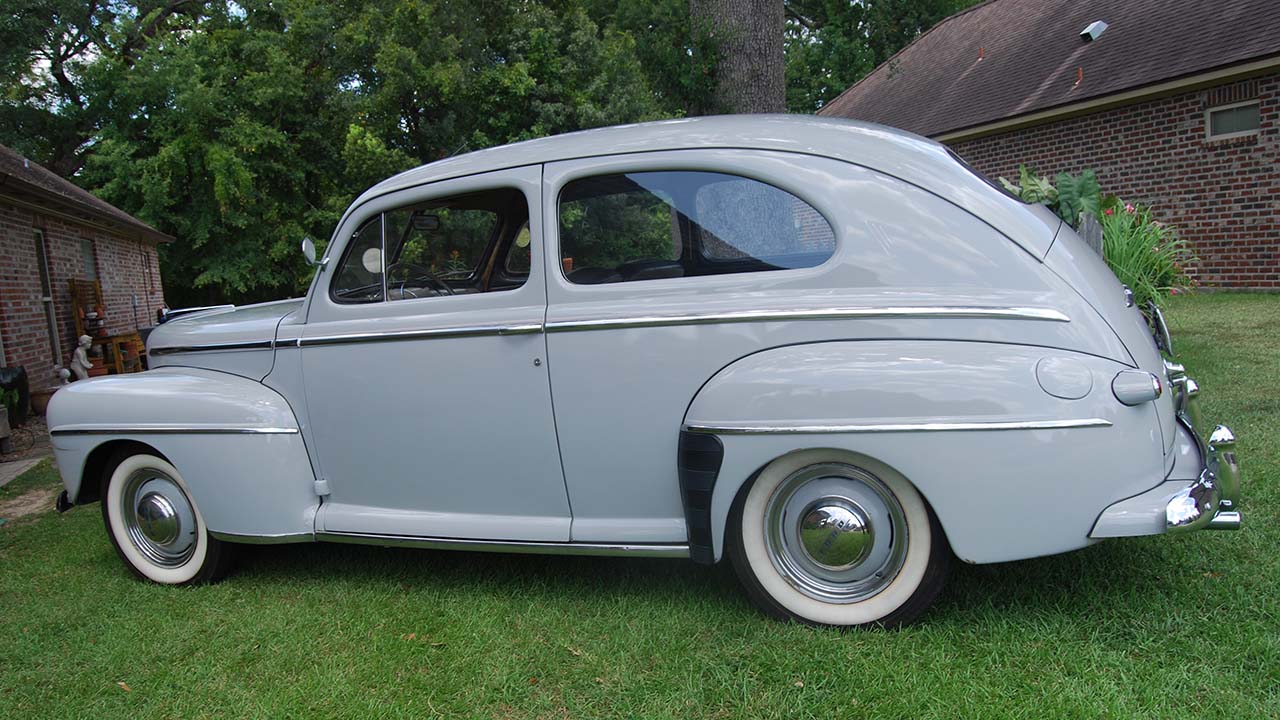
(1011, 470)
(235, 441)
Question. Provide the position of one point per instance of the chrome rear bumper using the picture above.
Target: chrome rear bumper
(1201, 506)
(1208, 502)
(1212, 502)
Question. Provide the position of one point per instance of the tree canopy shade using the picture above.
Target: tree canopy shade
(831, 44)
(239, 127)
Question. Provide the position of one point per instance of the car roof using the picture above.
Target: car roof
(795, 133)
(911, 158)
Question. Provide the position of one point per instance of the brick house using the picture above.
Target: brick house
(50, 232)
(1176, 104)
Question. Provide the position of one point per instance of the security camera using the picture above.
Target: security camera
(1094, 31)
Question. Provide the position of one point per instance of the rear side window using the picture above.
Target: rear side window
(651, 225)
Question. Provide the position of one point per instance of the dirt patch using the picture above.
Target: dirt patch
(31, 502)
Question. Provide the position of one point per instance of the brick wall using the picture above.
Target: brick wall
(126, 268)
(1223, 195)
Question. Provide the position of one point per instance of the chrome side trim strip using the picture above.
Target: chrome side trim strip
(511, 546)
(1021, 313)
(447, 332)
(167, 429)
(969, 312)
(212, 347)
(263, 539)
(733, 429)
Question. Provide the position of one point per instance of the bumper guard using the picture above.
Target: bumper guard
(1212, 502)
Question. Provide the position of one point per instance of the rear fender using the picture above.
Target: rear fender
(1011, 470)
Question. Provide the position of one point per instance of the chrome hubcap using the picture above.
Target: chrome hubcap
(158, 518)
(835, 532)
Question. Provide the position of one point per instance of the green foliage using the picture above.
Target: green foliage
(605, 231)
(1031, 188)
(241, 127)
(676, 56)
(1145, 254)
(831, 44)
(1072, 197)
(1078, 194)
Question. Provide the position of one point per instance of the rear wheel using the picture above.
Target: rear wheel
(826, 537)
(155, 527)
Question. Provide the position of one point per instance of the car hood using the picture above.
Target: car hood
(224, 328)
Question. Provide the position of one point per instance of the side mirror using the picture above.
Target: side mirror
(309, 252)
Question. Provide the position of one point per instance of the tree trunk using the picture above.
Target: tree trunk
(749, 70)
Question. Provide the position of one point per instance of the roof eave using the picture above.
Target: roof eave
(68, 209)
(1186, 83)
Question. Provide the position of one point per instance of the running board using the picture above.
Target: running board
(655, 550)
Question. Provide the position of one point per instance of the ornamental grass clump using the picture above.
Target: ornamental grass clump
(1146, 254)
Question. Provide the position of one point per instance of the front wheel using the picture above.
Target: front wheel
(826, 537)
(156, 528)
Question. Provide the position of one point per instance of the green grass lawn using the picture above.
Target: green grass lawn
(1153, 627)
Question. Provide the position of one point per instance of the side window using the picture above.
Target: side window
(519, 256)
(436, 251)
(649, 225)
(434, 248)
(359, 279)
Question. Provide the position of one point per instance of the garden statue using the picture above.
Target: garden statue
(80, 363)
(64, 375)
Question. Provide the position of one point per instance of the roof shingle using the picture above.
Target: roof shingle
(16, 172)
(1005, 58)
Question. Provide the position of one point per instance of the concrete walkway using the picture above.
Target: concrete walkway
(11, 470)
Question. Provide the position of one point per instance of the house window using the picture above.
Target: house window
(1230, 121)
(88, 259)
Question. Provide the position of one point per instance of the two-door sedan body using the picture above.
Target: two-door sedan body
(827, 350)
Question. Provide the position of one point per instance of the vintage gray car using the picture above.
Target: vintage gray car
(826, 350)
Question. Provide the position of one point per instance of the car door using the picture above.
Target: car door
(423, 366)
(653, 261)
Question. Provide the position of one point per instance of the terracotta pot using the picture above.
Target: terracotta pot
(40, 400)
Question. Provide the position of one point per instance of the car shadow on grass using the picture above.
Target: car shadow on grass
(1114, 584)
(1101, 585)
(549, 576)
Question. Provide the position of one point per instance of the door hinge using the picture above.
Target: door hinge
(321, 487)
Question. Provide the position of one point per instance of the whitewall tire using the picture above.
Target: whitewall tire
(155, 526)
(829, 537)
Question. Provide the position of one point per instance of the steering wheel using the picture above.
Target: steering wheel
(406, 271)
